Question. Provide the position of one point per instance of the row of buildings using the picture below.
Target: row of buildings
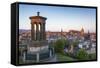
(72, 34)
(86, 40)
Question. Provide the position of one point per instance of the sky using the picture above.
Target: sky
(59, 18)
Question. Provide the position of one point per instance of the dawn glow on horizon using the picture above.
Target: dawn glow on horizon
(65, 18)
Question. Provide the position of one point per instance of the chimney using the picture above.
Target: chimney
(38, 13)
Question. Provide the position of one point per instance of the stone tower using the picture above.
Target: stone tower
(38, 27)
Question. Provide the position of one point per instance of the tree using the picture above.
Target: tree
(92, 56)
(82, 55)
(66, 42)
(75, 43)
(59, 45)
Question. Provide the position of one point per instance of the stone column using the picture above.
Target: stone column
(41, 31)
(37, 31)
(44, 34)
(32, 31)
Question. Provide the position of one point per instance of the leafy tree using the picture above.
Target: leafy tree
(59, 45)
(75, 43)
(92, 56)
(82, 55)
(67, 44)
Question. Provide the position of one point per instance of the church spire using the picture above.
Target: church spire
(82, 29)
(61, 32)
(82, 32)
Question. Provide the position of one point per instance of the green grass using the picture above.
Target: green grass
(61, 57)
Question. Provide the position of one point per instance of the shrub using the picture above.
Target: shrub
(59, 46)
(82, 55)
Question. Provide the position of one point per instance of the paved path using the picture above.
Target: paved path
(54, 59)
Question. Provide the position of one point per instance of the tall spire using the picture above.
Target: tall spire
(61, 32)
(82, 29)
(88, 32)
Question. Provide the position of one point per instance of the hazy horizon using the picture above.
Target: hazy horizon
(54, 31)
(65, 18)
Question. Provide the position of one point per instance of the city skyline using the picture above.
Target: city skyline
(65, 18)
